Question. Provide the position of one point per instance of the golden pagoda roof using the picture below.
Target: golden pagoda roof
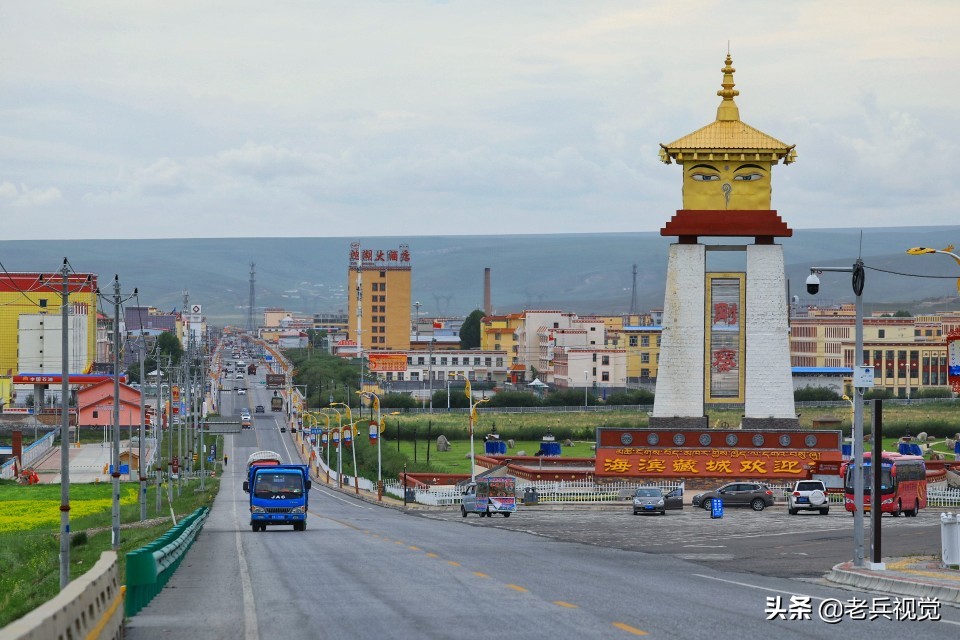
(728, 137)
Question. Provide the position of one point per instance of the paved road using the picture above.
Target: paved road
(364, 571)
(768, 543)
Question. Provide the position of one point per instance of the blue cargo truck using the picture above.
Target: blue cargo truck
(278, 492)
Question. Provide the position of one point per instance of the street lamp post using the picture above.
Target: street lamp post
(473, 417)
(586, 378)
(353, 447)
(329, 439)
(813, 287)
(918, 251)
(376, 407)
(335, 439)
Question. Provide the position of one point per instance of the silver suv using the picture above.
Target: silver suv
(808, 495)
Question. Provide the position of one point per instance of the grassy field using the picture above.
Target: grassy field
(29, 539)
(528, 428)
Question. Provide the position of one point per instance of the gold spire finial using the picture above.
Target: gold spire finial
(728, 108)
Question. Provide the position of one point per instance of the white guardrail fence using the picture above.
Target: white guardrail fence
(581, 492)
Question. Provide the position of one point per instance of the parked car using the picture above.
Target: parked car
(738, 494)
(259, 409)
(241, 391)
(808, 495)
(653, 500)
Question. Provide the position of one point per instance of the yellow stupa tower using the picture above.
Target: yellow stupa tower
(725, 334)
(726, 164)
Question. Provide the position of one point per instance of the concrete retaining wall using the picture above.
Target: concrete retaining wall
(90, 607)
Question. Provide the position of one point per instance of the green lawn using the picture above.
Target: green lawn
(30, 555)
(457, 459)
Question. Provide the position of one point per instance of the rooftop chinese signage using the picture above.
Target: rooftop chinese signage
(384, 257)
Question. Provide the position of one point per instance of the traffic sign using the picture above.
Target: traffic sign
(315, 431)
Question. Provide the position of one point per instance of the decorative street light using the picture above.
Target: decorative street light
(326, 439)
(473, 418)
(378, 428)
(348, 440)
(919, 251)
(335, 441)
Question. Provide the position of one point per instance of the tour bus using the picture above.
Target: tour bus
(903, 484)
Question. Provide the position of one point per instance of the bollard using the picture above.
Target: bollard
(950, 540)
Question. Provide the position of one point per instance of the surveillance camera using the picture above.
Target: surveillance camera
(813, 284)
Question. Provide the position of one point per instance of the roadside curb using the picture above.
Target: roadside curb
(896, 582)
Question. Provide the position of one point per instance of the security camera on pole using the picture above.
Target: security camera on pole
(862, 380)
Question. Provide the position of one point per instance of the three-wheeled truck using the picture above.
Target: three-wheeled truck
(487, 496)
(278, 492)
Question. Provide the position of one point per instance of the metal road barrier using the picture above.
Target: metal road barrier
(88, 607)
(150, 567)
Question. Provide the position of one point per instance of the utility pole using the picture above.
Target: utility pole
(158, 429)
(65, 428)
(180, 419)
(115, 457)
(141, 476)
(253, 276)
(197, 421)
(186, 462)
(359, 319)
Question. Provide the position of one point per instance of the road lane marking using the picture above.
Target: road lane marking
(753, 586)
(453, 563)
(517, 587)
(250, 630)
(413, 548)
(480, 574)
(432, 555)
(336, 497)
(567, 605)
(629, 629)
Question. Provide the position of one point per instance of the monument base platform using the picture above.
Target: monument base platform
(680, 422)
(770, 423)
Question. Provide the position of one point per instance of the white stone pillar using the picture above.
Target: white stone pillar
(769, 382)
(680, 372)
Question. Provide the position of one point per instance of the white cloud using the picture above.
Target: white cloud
(424, 117)
(25, 197)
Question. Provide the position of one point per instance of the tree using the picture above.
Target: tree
(168, 349)
(900, 313)
(813, 394)
(470, 330)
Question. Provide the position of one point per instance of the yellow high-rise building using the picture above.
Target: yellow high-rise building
(380, 281)
(30, 325)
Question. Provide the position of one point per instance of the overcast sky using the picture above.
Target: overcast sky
(358, 118)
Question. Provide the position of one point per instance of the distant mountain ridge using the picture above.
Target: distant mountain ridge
(583, 273)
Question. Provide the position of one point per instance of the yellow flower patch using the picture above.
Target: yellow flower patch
(24, 515)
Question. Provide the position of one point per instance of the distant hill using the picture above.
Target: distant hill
(584, 273)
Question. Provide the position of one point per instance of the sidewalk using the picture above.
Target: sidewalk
(919, 577)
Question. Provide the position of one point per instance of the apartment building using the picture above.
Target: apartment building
(907, 354)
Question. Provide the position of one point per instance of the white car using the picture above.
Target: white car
(241, 391)
(808, 495)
